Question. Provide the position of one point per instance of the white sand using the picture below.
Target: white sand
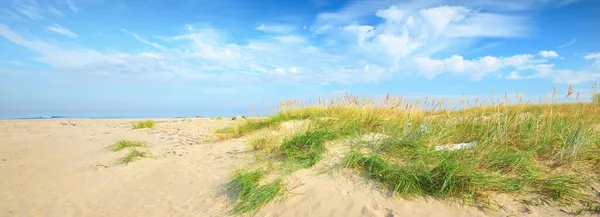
(53, 169)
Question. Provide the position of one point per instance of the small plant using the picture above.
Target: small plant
(134, 154)
(143, 124)
(122, 144)
(247, 194)
(596, 98)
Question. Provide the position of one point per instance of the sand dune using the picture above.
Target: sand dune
(62, 168)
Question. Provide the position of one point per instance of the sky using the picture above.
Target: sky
(100, 58)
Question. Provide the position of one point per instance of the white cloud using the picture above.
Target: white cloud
(290, 39)
(73, 7)
(62, 30)
(514, 75)
(280, 29)
(392, 14)
(439, 18)
(476, 68)
(548, 54)
(594, 56)
(404, 41)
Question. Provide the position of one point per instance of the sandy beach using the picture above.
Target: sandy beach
(62, 168)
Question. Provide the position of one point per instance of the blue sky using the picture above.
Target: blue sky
(182, 58)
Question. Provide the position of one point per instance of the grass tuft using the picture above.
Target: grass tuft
(306, 148)
(247, 194)
(143, 124)
(123, 144)
(133, 155)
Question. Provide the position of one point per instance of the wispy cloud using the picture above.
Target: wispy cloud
(30, 9)
(275, 28)
(73, 7)
(56, 12)
(62, 30)
(140, 39)
(567, 44)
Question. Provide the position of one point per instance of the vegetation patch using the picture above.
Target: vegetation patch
(307, 148)
(134, 150)
(123, 144)
(548, 150)
(133, 155)
(247, 194)
(143, 124)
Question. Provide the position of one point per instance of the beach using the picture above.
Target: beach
(62, 167)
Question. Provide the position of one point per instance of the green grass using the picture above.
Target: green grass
(550, 151)
(133, 155)
(596, 98)
(247, 194)
(247, 127)
(307, 148)
(143, 124)
(123, 144)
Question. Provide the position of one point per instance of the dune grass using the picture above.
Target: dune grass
(133, 155)
(549, 151)
(143, 124)
(247, 194)
(123, 144)
(307, 148)
(134, 150)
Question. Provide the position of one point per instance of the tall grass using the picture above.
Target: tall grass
(548, 150)
(143, 124)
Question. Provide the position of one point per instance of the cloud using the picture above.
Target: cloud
(73, 7)
(514, 75)
(62, 30)
(142, 40)
(280, 29)
(567, 44)
(56, 12)
(548, 54)
(476, 69)
(594, 56)
(407, 39)
(30, 9)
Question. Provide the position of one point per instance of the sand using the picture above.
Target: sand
(62, 168)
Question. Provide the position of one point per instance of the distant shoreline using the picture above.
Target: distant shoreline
(70, 117)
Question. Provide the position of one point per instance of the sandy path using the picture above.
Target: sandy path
(52, 168)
